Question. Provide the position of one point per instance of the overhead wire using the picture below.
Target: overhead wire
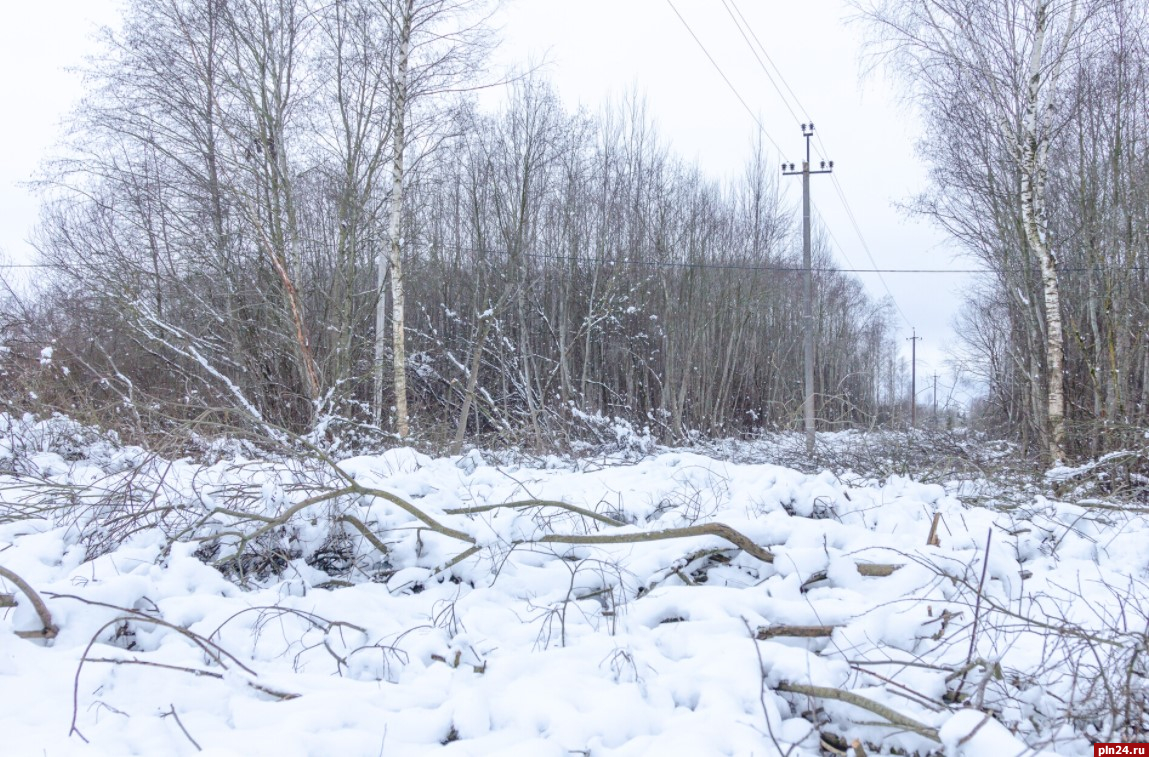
(711, 265)
(761, 126)
(766, 54)
(830, 233)
(866, 246)
(725, 78)
(759, 59)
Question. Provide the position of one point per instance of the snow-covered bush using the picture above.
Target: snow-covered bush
(597, 434)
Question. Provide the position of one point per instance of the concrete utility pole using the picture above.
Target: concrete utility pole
(935, 400)
(808, 280)
(913, 340)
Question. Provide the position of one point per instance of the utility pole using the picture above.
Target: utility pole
(935, 400)
(808, 281)
(913, 340)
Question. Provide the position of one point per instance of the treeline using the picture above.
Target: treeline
(1037, 134)
(255, 192)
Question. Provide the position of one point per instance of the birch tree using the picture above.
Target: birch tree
(997, 66)
(440, 44)
(1042, 73)
(404, 21)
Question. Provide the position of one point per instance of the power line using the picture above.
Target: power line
(719, 266)
(866, 246)
(775, 65)
(830, 233)
(765, 70)
(724, 77)
(759, 59)
(793, 268)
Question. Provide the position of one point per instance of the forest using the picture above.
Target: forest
(284, 215)
(274, 213)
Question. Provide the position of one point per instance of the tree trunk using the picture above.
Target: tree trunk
(395, 234)
(1034, 168)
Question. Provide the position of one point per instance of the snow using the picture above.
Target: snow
(314, 642)
(971, 734)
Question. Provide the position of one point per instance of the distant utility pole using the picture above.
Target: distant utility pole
(808, 280)
(935, 400)
(913, 340)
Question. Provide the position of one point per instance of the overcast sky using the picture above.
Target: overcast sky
(598, 49)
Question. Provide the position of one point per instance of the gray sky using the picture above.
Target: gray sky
(598, 49)
(39, 41)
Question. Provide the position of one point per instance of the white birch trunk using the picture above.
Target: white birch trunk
(1034, 168)
(395, 234)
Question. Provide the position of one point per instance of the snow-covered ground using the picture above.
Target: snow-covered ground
(191, 620)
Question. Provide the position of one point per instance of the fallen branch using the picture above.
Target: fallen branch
(720, 530)
(802, 632)
(895, 718)
(430, 522)
(271, 521)
(537, 503)
(362, 528)
(49, 630)
(867, 569)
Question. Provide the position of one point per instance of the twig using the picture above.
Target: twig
(161, 665)
(976, 611)
(976, 728)
(467, 553)
(176, 717)
(905, 691)
(210, 648)
(214, 651)
(762, 690)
